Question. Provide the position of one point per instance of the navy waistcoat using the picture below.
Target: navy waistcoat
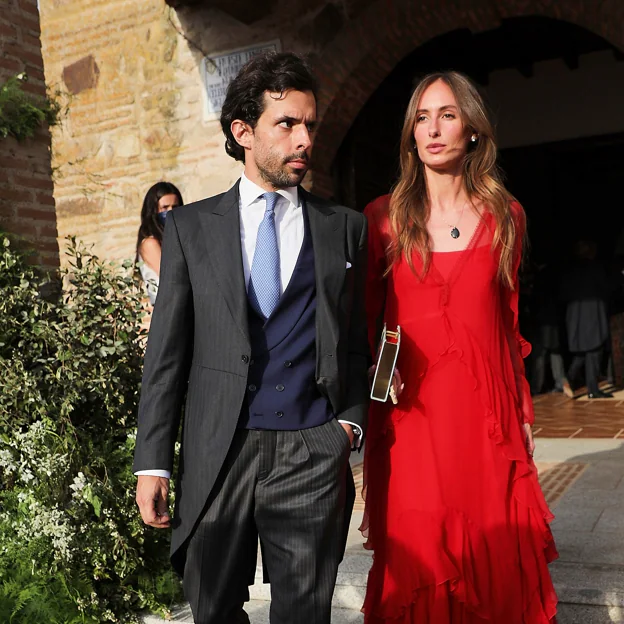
(281, 386)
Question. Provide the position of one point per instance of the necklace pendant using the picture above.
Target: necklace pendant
(455, 233)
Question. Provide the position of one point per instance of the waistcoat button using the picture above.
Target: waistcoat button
(279, 387)
(279, 414)
(287, 363)
(252, 387)
(245, 358)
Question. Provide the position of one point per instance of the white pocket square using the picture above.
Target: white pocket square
(348, 265)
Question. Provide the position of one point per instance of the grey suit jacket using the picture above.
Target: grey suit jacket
(198, 348)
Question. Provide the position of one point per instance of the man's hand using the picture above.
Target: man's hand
(152, 497)
(349, 429)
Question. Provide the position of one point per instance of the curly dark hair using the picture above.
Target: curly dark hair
(273, 72)
(150, 226)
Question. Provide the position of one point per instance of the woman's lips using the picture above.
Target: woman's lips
(435, 148)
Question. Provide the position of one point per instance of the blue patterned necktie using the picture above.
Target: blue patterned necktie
(264, 281)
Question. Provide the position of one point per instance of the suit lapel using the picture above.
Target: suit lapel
(221, 226)
(327, 228)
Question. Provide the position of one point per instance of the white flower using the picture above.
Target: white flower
(50, 523)
(79, 483)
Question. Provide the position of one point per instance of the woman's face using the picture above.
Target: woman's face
(440, 135)
(167, 202)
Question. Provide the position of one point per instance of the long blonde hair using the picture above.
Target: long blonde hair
(409, 206)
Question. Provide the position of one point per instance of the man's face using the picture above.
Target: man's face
(281, 143)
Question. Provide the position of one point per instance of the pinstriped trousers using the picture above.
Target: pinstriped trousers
(289, 488)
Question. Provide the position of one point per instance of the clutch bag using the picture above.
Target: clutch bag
(386, 363)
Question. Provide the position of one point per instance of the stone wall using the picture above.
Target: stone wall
(138, 115)
(27, 206)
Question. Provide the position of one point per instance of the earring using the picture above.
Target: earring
(473, 138)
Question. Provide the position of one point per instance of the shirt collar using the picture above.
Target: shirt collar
(250, 191)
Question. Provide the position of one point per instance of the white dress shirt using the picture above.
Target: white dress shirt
(289, 226)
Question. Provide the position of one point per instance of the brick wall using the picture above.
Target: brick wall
(26, 202)
(135, 116)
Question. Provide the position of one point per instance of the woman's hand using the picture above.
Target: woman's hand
(530, 442)
(397, 383)
(397, 386)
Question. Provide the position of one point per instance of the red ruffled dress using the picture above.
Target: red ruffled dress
(454, 512)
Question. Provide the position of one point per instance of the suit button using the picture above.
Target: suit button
(279, 387)
(287, 364)
(252, 387)
(279, 414)
(245, 358)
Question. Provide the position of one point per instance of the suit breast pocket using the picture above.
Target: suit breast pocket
(346, 298)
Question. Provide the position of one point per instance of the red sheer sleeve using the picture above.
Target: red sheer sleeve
(376, 288)
(378, 229)
(518, 346)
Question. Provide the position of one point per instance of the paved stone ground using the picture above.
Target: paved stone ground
(584, 483)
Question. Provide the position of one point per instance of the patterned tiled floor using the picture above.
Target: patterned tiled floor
(555, 479)
(556, 416)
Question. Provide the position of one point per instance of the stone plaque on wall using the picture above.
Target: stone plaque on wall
(219, 69)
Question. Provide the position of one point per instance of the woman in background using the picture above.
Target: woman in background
(454, 512)
(159, 200)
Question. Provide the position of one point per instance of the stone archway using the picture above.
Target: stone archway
(367, 50)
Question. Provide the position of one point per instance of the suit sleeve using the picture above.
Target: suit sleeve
(519, 348)
(357, 391)
(167, 359)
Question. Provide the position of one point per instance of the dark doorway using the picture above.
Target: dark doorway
(571, 190)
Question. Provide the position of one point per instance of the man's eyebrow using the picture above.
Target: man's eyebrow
(292, 119)
(287, 118)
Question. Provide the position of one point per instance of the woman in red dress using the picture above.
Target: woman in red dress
(454, 512)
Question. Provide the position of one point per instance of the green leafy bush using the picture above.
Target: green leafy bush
(22, 114)
(72, 546)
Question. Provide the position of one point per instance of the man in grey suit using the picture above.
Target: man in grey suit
(260, 324)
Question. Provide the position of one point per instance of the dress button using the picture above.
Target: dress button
(252, 387)
(444, 296)
(279, 387)
(287, 363)
(245, 358)
(279, 414)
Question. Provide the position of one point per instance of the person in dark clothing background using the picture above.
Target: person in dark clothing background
(585, 290)
(546, 333)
